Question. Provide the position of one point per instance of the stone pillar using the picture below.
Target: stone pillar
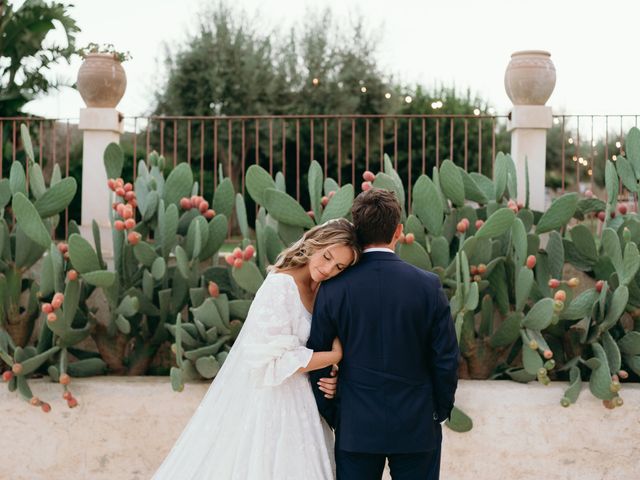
(101, 82)
(100, 127)
(529, 82)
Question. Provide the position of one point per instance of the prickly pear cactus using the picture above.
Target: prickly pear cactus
(30, 213)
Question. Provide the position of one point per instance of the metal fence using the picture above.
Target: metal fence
(344, 145)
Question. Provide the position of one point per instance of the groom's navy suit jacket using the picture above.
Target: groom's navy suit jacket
(398, 375)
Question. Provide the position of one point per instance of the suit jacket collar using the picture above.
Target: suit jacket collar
(368, 256)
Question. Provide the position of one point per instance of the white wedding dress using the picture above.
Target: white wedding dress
(258, 419)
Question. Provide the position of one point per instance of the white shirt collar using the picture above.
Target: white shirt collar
(367, 250)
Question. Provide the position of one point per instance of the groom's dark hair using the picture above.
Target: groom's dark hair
(376, 214)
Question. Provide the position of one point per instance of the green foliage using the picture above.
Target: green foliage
(25, 73)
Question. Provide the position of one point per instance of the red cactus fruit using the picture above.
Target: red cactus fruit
(72, 402)
(573, 282)
(622, 208)
(588, 194)
(133, 203)
(548, 354)
(65, 379)
(237, 263)
(67, 395)
(119, 183)
(473, 270)
(230, 259)
(331, 194)
(365, 186)
(214, 290)
(129, 196)
(120, 191)
(35, 401)
(129, 223)
(47, 308)
(368, 176)
(72, 275)
(111, 183)
(204, 206)
(63, 247)
(57, 300)
(185, 203)
(409, 238)
(311, 214)
(46, 408)
(479, 224)
(128, 187)
(608, 404)
(612, 214)
(127, 213)
(17, 368)
(560, 295)
(623, 374)
(461, 227)
(401, 238)
(7, 376)
(599, 285)
(134, 238)
(119, 225)
(196, 201)
(209, 214)
(554, 283)
(482, 269)
(237, 252)
(520, 205)
(531, 262)
(248, 252)
(324, 201)
(601, 215)
(52, 317)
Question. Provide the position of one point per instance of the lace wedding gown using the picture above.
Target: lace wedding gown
(258, 419)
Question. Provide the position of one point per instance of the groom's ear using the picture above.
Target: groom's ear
(397, 233)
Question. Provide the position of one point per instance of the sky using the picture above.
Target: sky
(465, 43)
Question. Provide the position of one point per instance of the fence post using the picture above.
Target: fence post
(100, 127)
(529, 81)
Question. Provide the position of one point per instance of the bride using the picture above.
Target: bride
(258, 419)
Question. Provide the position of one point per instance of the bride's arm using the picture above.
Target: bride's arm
(321, 360)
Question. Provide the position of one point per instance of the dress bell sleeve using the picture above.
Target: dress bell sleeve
(273, 350)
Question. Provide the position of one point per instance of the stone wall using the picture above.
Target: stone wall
(124, 427)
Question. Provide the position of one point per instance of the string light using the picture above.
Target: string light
(408, 99)
(491, 110)
(556, 121)
(363, 89)
(436, 105)
(315, 81)
(590, 172)
(618, 144)
(614, 158)
(570, 140)
(476, 111)
(387, 95)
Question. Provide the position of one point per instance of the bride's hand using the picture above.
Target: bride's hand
(337, 349)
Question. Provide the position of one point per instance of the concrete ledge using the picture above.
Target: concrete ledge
(124, 426)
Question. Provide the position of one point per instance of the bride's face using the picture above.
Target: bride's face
(329, 262)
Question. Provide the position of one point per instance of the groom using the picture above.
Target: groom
(398, 374)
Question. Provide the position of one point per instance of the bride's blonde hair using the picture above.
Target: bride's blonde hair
(333, 232)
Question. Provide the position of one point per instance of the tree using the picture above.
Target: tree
(322, 67)
(26, 59)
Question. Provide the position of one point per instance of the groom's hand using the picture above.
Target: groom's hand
(329, 385)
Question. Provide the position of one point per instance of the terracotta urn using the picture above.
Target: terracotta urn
(530, 77)
(101, 80)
